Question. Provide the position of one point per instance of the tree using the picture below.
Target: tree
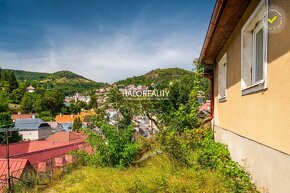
(53, 101)
(94, 102)
(17, 95)
(81, 105)
(5, 119)
(77, 124)
(4, 101)
(13, 84)
(27, 102)
(8, 80)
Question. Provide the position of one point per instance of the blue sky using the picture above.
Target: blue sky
(104, 40)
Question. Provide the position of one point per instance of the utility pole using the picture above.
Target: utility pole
(9, 183)
(8, 162)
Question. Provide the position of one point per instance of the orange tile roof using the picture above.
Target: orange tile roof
(65, 118)
(88, 113)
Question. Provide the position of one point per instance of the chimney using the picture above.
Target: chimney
(60, 114)
(33, 116)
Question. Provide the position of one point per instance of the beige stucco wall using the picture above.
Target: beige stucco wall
(29, 135)
(269, 169)
(263, 117)
(36, 134)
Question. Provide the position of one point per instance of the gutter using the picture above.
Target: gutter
(215, 17)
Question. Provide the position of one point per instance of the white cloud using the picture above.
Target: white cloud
(125, 53)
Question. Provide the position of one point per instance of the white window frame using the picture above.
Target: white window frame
(222, 64)
(254, 65)
(260, 85)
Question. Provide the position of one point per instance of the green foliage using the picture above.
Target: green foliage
(112, 147)
(77, 124)
(4, 101)
(197, 148)
(156, 175)
(215, 156)
(51, 100)
(17, 95)
(68, 82)
(158, 77)
(94, 102)
(13, 136)
(8, 81)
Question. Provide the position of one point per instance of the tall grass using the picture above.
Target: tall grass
(155, 175)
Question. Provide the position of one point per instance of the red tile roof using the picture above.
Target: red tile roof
(16, 167)
(21, 116)
(64, 136)
(29, 147)
(205, 106)
(47, 154)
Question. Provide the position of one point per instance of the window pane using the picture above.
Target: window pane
(259, 56)
(222, 80)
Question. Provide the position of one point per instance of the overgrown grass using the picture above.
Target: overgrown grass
(155, 175)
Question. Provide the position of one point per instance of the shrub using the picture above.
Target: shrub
(112, 147)
(197, 148)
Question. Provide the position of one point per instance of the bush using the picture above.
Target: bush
(197, 148)
(111, 147)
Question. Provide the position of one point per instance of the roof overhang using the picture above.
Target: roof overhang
(225, 17)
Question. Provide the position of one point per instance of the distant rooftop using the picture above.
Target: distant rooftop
(30, 124)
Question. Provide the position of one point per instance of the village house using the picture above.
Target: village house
(40, 155)
(21, 116)
(30, 89)
(246, 55)
(84, 98)
(66, 121)
(33, 129)
(56, 127)
(204, 110)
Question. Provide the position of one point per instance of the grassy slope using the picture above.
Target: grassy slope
(157, 175)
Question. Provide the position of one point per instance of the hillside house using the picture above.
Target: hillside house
(22, 116)
(66, 121)
(30, 89)
(33, 129)
(56, 127)
(40, 155)
(246, 55)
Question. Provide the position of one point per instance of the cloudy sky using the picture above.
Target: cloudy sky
(103, 40)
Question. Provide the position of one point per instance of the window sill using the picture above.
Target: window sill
(259, 86)
(222, 99)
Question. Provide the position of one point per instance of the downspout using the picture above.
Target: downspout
(210, 76)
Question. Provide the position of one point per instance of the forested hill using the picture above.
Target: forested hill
(28, 76)
(66, 81)
(158, 77)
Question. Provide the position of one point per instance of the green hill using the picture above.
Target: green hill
(66, 81)
(161, 77)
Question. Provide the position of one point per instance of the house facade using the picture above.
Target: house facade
(66, 121)
(33, 129)
(246, 54)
